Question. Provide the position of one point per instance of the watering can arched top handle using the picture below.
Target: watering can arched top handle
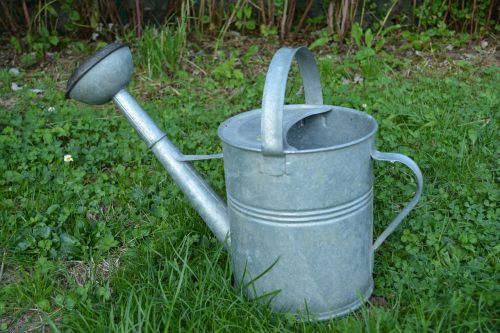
(273, 99)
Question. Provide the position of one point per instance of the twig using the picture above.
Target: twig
(2, 266)
(254, 5)
(195, 66)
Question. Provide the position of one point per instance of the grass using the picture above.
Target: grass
(108, 243)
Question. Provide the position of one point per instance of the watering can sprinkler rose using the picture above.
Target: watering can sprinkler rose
(299, 216)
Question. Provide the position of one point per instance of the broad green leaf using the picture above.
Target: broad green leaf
(44, 32)
(322, 41)
(356, 34)
(368, 38)
(51, 10)
(74, 16)
(54, 40)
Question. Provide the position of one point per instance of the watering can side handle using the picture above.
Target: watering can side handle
(273, 98)
(395, 157)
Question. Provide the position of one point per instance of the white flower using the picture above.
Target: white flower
(94, 35)
(52, 109)
(364, 106)
(68, 158)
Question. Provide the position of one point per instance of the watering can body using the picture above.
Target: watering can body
(302, 241)
(299, 184)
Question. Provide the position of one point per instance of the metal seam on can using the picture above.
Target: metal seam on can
(331, 213)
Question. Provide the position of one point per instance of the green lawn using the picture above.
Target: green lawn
(108, 243)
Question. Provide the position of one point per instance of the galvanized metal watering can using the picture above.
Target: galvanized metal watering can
(299, 178)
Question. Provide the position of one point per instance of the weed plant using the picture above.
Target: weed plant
(108, 243)
(160, 50)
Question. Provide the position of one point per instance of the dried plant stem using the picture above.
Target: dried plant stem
(271, 13)
(283, 19)
(382, 25)
(329, 17)
(291, 15)
(304, 15)
(26, 15)
(362, 14)
(2, 265)
(473, 14)
(228, 23)
(138, 18)
(447, 11)
(413, 14)
(354, 10)
(6, 11)
(345, 10)
(262, 10)
(490, 11)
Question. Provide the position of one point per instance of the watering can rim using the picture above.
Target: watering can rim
(89, 63)
(289, 149)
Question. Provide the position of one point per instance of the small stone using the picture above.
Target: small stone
(484, 44)
(14, 71)
(15, 87)
(358, 78)
(37, 91)
(233, 33)
(378, 300)
(449, 47)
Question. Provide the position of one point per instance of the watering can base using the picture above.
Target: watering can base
(347, 308)
(327, 315)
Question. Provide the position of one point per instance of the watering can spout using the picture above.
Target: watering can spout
(103, 77)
